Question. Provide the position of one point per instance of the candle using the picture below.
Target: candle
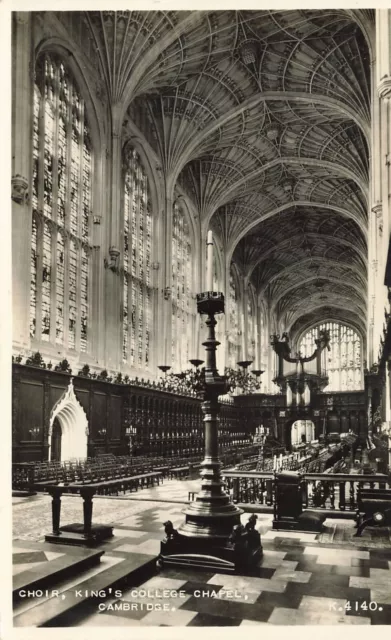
(209, 262)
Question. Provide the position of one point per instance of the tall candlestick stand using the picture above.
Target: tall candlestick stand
(212, 535)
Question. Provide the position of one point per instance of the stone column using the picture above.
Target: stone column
(166, 276)
(387, 392)
(113, 253)
(22, 105)
(381, 166)
(155, 348)
(257, 337)
(227, 326)
(245, 336)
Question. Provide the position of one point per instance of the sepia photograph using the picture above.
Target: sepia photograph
(201, 318)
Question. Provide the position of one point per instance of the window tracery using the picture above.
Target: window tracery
(233, 337)
(62, 200)
(183, 304)
(343, 361)
(137, 238)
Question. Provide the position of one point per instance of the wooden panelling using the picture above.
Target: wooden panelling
(99, 417)
(162, 423)
(115, 418)
(31, 411)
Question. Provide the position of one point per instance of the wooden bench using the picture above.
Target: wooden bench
(132, 483)
(108, 487)
(373, 509)
(165, 470)
(179, 472)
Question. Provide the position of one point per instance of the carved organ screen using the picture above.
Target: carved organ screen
(60, 307)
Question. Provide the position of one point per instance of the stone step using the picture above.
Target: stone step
(48, 574)
(75, 603)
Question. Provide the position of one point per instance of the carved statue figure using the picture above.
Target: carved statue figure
(236, 537)
(252, 521)
(169, 530)
(253, 536)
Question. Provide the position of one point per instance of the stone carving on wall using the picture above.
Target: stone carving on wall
(19, 191)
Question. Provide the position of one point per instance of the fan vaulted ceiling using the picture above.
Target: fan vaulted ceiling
(263, 117)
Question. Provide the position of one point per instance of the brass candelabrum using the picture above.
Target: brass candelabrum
(212, 535)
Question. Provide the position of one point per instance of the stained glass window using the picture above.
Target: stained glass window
(343, 363)
(233, 337)
(183, 305)
(61, 200)
(137, 237)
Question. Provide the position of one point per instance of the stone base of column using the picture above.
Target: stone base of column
(207, 554)
(212, 538)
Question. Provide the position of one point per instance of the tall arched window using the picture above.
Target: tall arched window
(233, 338)
(250, 325)
(60, 305)
(215, 267)
(137, 291)
(343, 361)
(183, 304)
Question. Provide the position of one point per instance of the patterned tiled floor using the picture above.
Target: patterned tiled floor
(302, 580)
(36, 510)
(300, 583)
(24, 559)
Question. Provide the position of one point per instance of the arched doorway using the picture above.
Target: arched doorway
(55, 445)
(302, 432)
(68, 428)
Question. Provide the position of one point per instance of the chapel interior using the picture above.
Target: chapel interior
(201, 299)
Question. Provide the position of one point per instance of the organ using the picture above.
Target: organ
(299, 376)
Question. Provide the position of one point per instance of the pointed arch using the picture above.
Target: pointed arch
(74, 425)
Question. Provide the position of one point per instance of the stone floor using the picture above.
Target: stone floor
(304, 579)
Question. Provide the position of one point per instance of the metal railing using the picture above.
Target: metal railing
(331, 492)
